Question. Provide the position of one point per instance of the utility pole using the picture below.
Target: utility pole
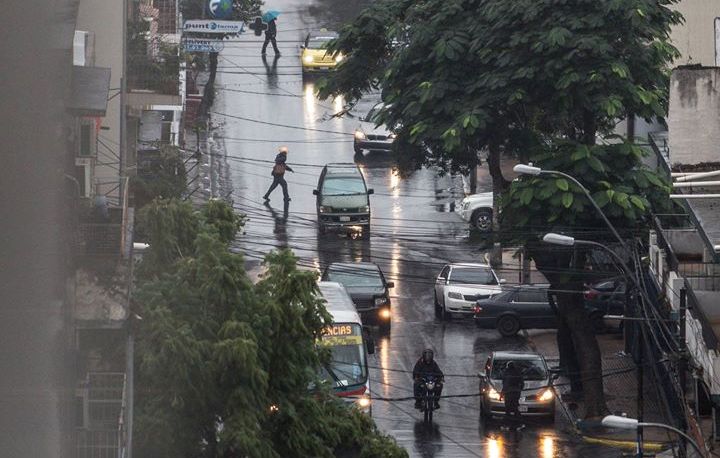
(682, 349)
(640, 376)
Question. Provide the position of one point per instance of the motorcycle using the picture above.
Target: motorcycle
(428, 385)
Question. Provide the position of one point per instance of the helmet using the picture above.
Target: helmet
(283, 149)
(427, 355)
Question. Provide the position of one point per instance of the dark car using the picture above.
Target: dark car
(367, 287)
(537, 397)
(522, 307)
(343, 201)
(607, 296)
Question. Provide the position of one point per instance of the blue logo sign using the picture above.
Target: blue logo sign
(220, 8)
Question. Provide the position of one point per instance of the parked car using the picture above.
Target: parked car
(367, 287)
(369, 136)
(477, 209)
(607, 296)
(459, 286)
(537, 398)
(314, 56)
(343, 201)
(523, 307)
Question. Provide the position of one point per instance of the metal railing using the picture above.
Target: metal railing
(104, 434)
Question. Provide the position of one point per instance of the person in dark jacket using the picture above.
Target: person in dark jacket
(426, 366)
(513, 384)
(278, 174)
(270, 35)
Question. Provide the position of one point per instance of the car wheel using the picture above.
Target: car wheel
(551, 418)
(444, 314)
(508, 326)
(322, 229)
(598, 322)
(482, 220)
(437, 305)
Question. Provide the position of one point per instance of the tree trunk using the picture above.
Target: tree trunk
(499, 184)
(560, 267)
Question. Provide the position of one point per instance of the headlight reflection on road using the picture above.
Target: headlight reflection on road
(494, 449)
(310, 102)
(547, 447)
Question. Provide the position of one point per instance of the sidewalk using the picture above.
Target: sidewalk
(620, 393)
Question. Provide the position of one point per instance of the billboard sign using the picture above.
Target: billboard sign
(211, 26)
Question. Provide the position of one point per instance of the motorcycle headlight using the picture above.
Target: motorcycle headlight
(381, 300)
(430, 385)
(360, 135)
(494, 395)
(453, 295)
(308, 58)
(546, 395)
(325, 209)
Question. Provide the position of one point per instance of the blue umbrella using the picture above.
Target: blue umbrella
(270, 15)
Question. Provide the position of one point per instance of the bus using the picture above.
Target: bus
(347, 370)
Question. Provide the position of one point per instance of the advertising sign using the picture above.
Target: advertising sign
(202, 45)
(211, 26)
(220, 8)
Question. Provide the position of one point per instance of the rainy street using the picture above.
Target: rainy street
(264, 103)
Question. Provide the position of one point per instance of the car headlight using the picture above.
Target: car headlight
(308, 58)
(392, 136)
(453, 295)
(339, 58)
(364, 209)
(385, 314)
(381, 300)
(546, 395)
(360, 135)
(363, 402)
(494, 395)
(325, 209)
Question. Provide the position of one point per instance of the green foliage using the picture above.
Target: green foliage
(624, 189)
(165, 177)
(214, 351)
(469, 73)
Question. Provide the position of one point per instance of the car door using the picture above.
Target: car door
(440, 282)
(534, 310)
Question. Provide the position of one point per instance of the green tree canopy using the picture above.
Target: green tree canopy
(215, 352)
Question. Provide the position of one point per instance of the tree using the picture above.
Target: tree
(164, 176)
(223, 365)
(536, 78)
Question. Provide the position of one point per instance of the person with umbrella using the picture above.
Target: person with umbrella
(271, 32)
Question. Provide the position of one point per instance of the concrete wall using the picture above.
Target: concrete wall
(695, 39)
(105, 19)
(694, 116)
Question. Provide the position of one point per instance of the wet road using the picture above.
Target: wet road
(263, 104)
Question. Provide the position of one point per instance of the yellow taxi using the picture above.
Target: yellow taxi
(314, 56)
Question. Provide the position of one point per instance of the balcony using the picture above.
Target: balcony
(102, 409)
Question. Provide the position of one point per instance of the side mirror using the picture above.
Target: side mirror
(370, 191)
(369, 341)
(441, 280)
(315, 192)
(390, 284)
(503, 281)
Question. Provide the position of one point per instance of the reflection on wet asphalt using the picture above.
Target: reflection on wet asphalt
(263, 103)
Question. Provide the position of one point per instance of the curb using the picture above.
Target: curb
(597, 440)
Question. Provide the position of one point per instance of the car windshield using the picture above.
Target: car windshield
(347, 365)
(355, 277)
(473, 276)
(340, 186)
(318, 43)
(531, 369)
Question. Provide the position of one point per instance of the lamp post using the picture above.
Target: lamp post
(615, 421)
(535, 171)
(565, 240)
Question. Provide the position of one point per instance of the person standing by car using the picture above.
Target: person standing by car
(270, 35)
(278, 174)
(513, 384)
(424, 367)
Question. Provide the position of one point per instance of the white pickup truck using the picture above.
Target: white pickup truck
(477, 209)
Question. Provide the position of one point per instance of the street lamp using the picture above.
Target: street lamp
(615, 421)
(566, 240)
(525, 169)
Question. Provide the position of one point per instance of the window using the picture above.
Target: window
(341, 186)
(354, 278)
(531, 296)
(86, 140)
(531, 369)
(473, 276)
(445, 272)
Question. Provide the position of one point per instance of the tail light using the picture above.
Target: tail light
(590, 294)
(477, 310)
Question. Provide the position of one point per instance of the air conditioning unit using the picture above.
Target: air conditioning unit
(84, 168)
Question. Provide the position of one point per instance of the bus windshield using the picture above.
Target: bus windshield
(347, 365)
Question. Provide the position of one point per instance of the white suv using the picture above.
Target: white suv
(477, 209)
(459, 286)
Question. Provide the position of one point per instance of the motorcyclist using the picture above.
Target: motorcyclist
(426, 366)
